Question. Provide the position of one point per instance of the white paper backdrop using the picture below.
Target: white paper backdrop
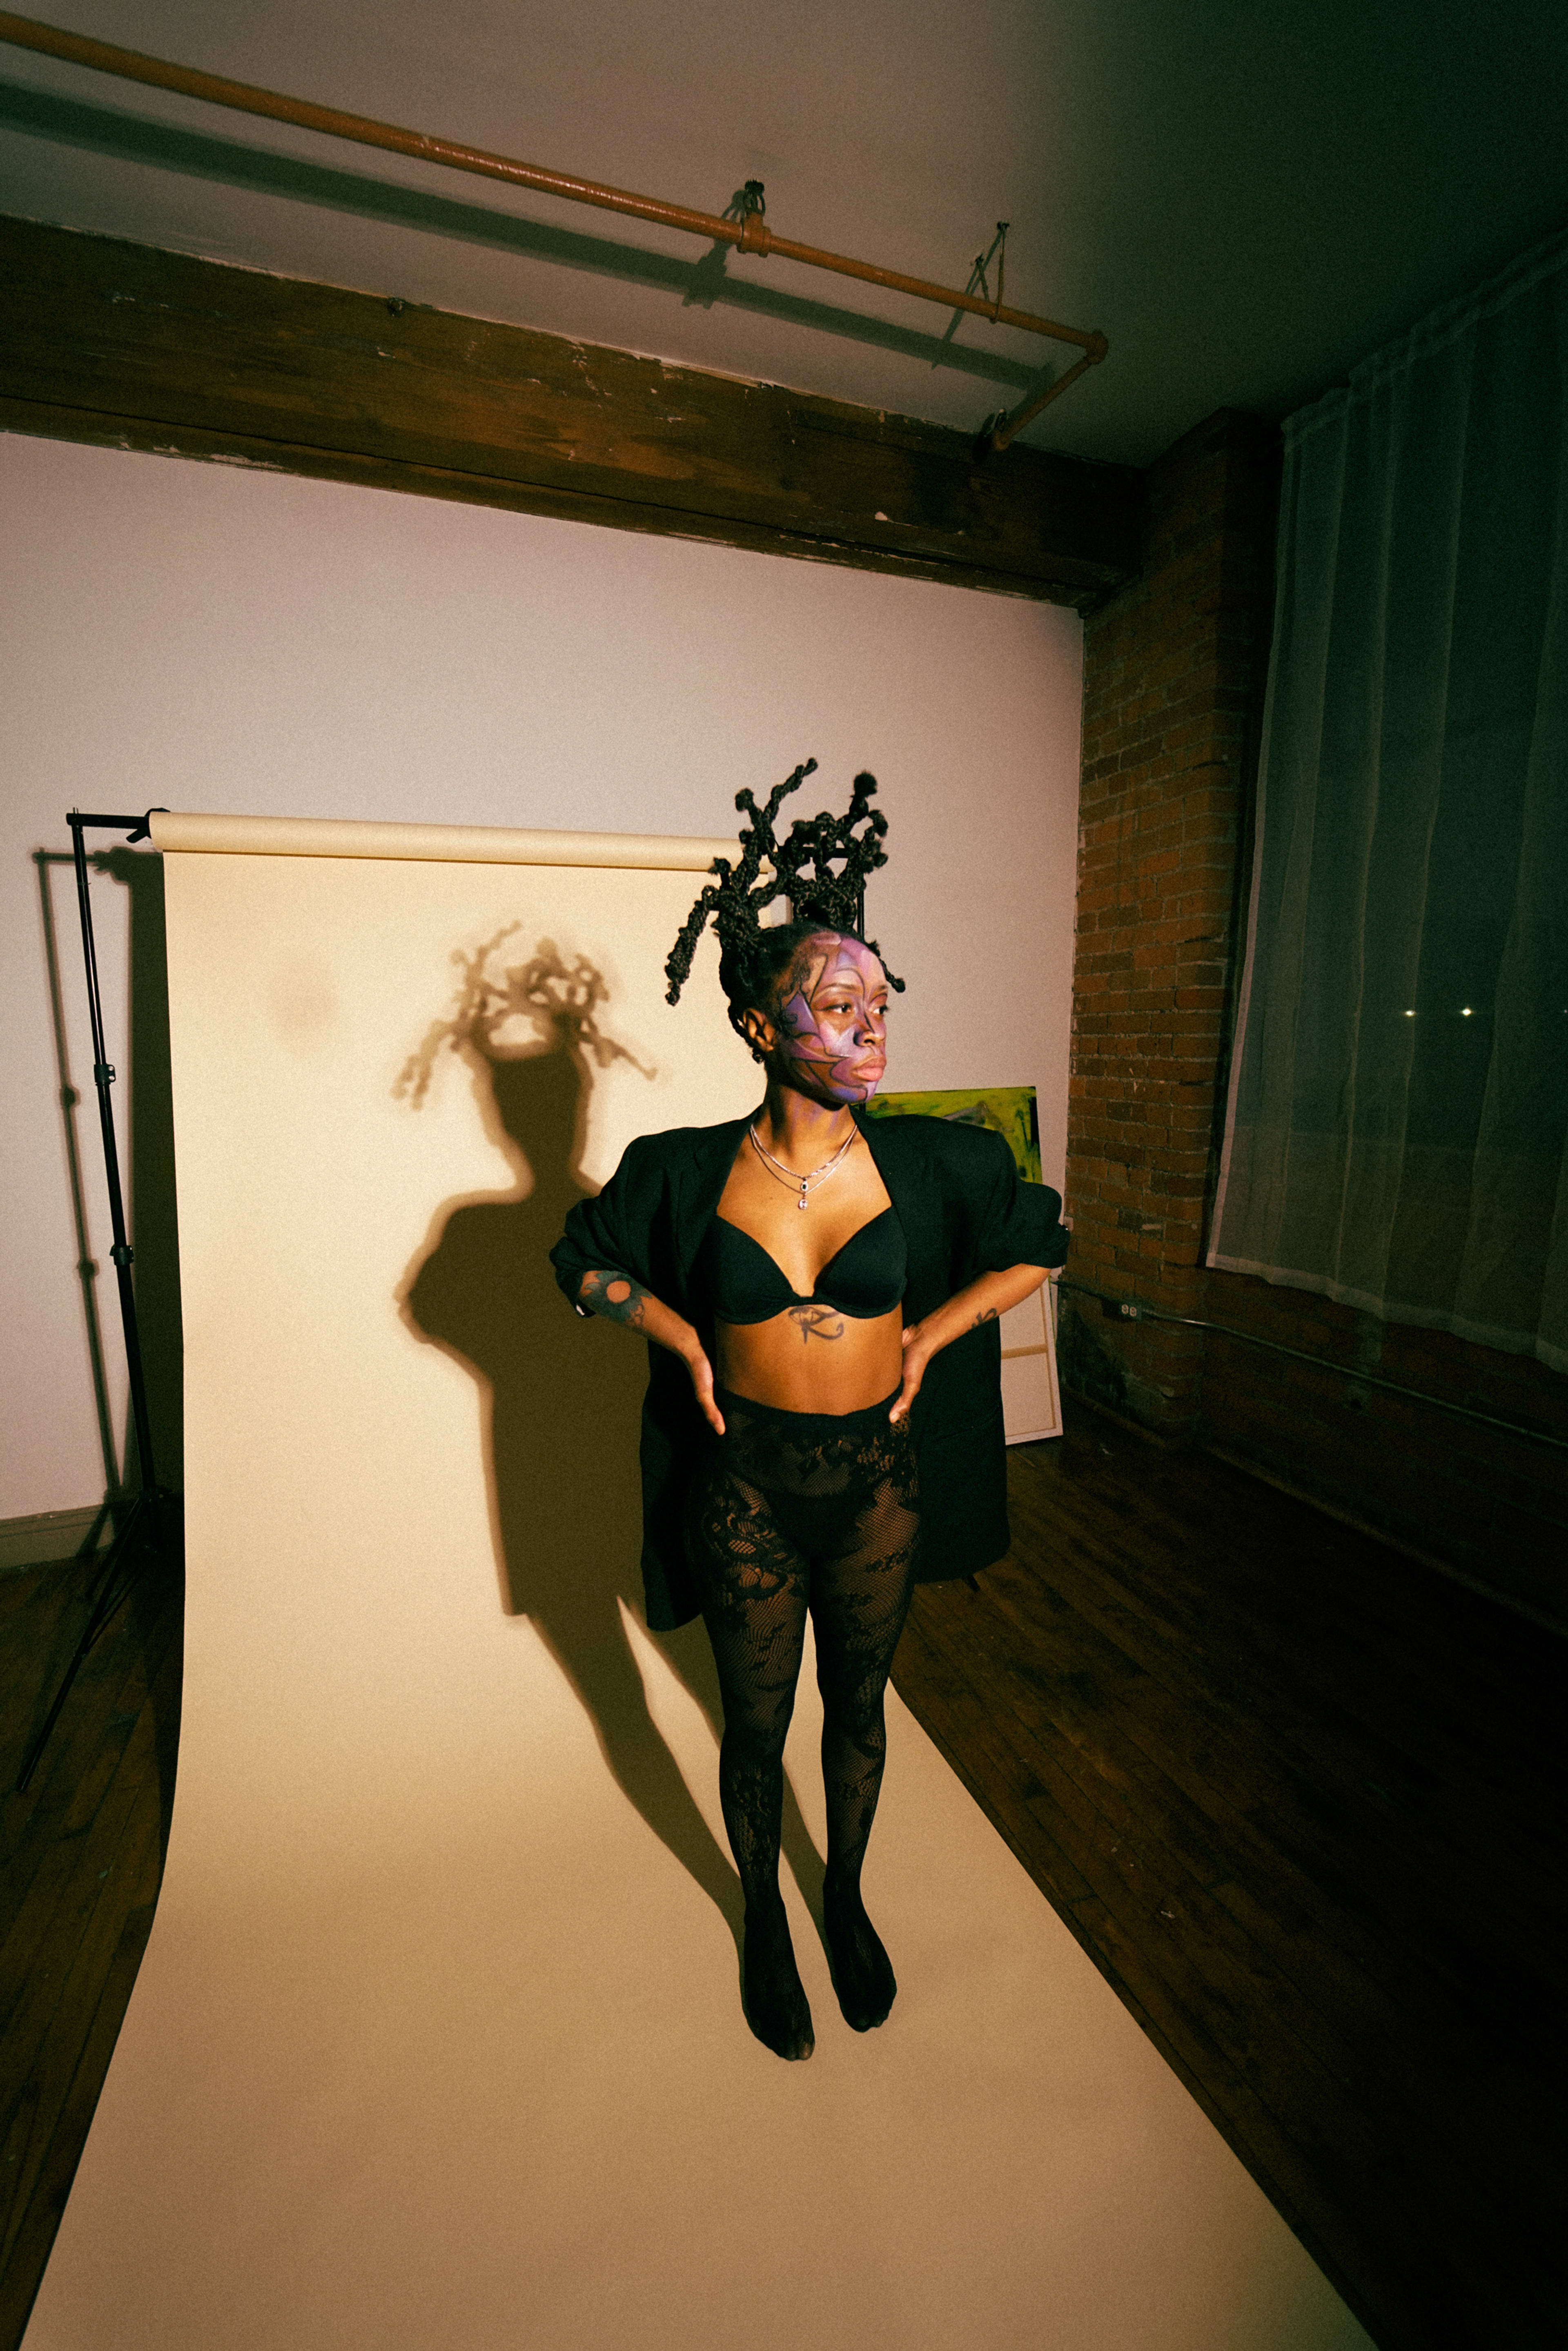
(438, 2038)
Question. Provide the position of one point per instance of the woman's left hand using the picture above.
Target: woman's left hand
(917, 1354)
(984, 1300)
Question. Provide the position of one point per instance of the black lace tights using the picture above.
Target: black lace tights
(797, 1513)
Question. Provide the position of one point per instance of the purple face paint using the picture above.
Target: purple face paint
(832, 1027)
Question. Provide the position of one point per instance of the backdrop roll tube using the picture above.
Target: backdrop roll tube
(442, 844)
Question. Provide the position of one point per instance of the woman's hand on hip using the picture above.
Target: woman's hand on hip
(608, 1291)
(985, 1299)
(701, 1372)
(917, 1354)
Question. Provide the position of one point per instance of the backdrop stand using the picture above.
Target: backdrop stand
(149, 1529)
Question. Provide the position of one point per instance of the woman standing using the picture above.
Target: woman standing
(824, 1423)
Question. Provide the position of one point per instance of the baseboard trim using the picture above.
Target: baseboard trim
(52, 1535)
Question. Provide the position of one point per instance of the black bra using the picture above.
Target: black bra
(742, 1283)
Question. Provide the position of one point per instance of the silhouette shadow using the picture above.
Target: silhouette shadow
(562, 1404)
(150, 1203)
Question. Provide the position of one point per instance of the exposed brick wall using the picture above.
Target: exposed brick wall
(1172, 671)
(1173, 676)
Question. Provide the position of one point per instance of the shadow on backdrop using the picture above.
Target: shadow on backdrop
(148, 1139)
(561, 1397)
(152, 1219)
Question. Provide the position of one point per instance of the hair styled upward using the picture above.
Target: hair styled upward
(754, 957)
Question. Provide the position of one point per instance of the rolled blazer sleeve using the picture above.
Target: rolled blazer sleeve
(1016, 1223)
(609, 1234)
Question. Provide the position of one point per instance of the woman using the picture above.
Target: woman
(823, 1423)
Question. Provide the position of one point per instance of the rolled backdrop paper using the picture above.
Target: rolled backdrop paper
(437, 2041)
(448, 844)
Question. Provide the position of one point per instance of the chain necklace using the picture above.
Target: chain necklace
(807, 1183)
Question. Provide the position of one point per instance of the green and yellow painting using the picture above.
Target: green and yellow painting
(1008, 1111)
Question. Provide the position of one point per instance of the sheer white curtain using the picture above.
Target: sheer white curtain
(1398, 1111)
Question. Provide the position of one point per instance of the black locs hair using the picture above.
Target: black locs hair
(802, 871)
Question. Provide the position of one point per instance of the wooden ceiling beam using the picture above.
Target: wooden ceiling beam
(128, 347)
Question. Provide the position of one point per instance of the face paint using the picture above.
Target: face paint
(832, 1027)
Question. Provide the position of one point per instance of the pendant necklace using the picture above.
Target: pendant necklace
(807, 1183)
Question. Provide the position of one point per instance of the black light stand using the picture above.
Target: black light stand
(149, 1526)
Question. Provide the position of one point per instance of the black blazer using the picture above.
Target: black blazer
(964, 1213)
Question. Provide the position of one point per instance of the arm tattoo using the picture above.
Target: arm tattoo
(987, 1315)
(615, 1295)
(812, 1322)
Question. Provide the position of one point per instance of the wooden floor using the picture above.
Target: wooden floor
(1299, 1798)
(82, 1854)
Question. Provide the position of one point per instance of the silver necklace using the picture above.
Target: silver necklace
(807, 1183)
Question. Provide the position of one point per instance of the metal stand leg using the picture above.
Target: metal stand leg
(147, 1529)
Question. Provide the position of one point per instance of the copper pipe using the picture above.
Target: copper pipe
(751, 234)
(755, 236)
(1001, 433)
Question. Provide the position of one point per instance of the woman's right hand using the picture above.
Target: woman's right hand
(701, 1372)
(607, 1292)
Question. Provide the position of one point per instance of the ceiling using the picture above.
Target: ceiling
(1246, 199)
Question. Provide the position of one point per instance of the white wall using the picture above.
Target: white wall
(211, 637)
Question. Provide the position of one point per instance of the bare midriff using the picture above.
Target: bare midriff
(809, 1358)
(812, 1358)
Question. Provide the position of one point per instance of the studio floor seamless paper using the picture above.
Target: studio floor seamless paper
(438, 2038)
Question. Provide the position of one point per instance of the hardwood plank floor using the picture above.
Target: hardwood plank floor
(83, 1855)
(1298, 1798)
